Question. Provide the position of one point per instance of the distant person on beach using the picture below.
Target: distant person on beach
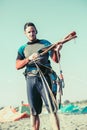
(38, 73)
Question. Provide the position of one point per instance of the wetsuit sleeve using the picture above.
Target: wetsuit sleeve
(20, 54)
(21, 61)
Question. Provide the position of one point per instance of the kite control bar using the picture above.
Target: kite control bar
(69, 37)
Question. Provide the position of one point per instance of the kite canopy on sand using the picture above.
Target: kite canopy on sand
(10, 114)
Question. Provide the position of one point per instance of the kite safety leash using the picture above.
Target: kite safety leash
(61, 83)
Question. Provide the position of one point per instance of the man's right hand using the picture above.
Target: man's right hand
(33, 56)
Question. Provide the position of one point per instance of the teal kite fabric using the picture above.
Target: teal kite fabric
(74, 109)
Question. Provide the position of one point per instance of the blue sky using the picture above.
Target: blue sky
(54, 20)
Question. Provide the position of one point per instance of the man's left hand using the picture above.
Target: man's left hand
(58, 47)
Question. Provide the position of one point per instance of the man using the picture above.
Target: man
(38, 68)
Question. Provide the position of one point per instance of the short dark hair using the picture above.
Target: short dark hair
(30, 24)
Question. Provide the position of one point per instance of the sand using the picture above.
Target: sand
(67, 122)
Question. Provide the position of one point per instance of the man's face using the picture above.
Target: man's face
(30, 32)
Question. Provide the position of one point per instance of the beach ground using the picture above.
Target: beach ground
(67, 122)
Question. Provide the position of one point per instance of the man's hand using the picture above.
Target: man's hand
(58, 47)
(33, 56)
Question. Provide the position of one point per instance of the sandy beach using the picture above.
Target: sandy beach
(67, 122)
